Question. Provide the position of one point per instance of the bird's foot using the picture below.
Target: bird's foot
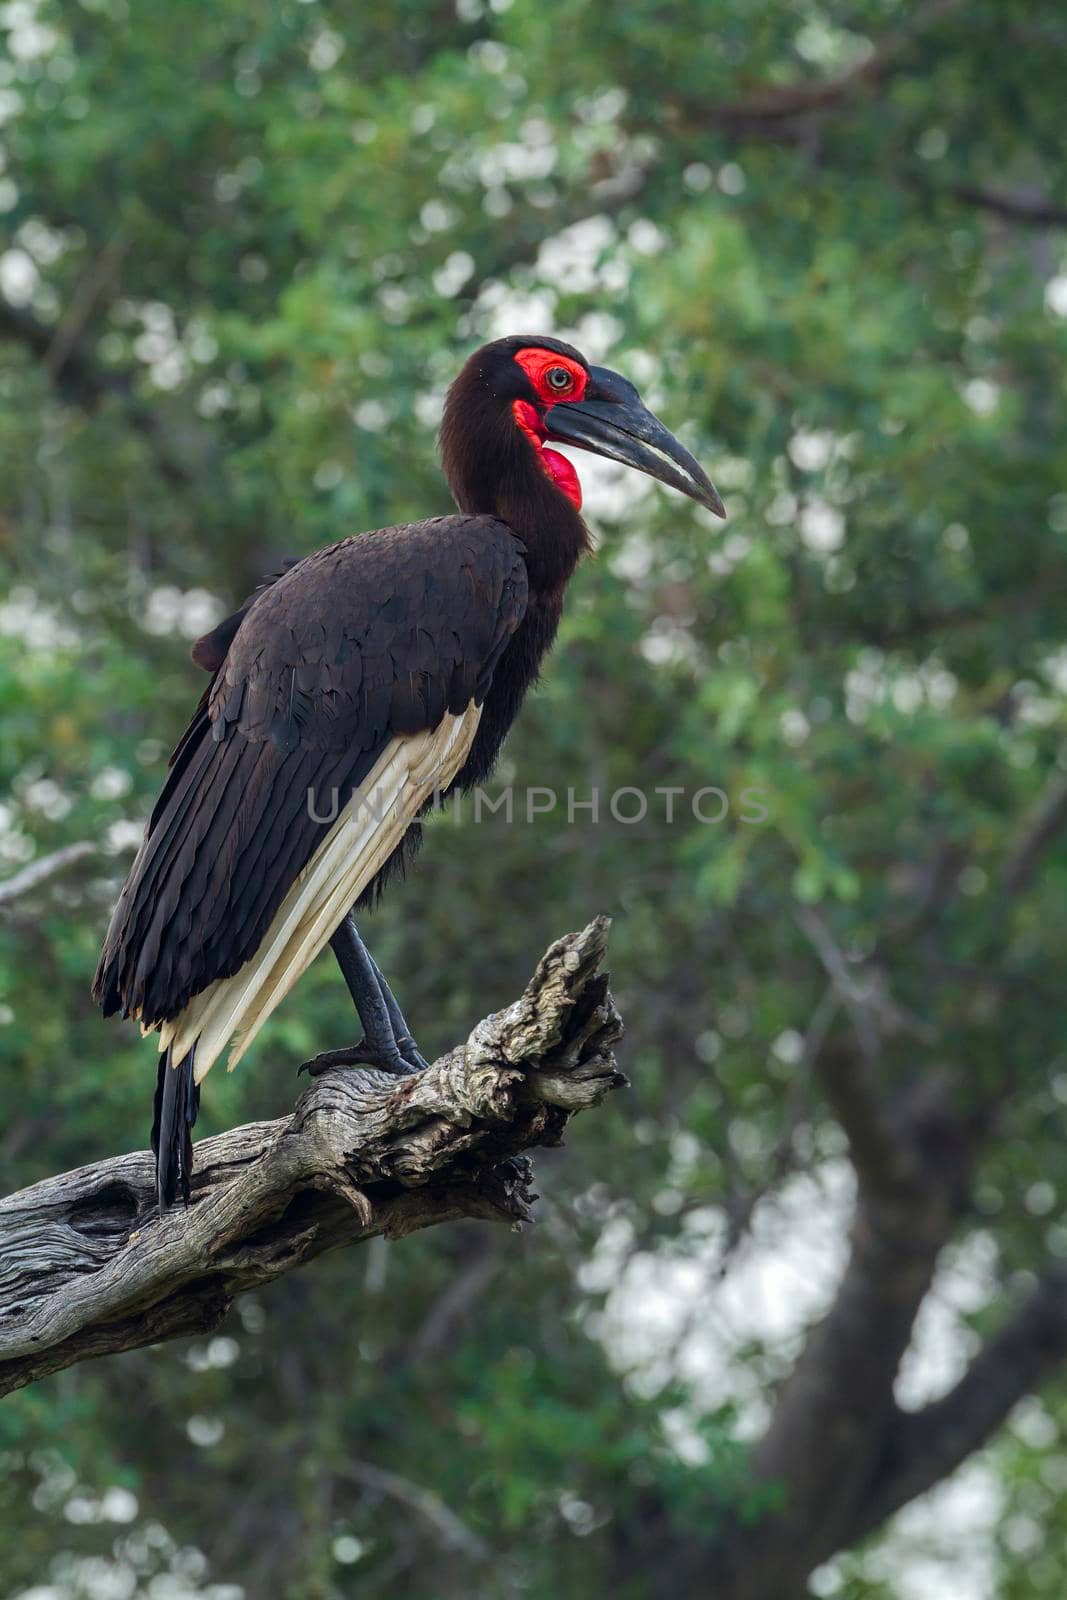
(409, 1051)
(401, 1060)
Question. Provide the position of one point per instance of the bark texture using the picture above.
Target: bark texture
(88, 1267)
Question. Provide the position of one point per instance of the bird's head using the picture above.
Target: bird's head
(520, 394)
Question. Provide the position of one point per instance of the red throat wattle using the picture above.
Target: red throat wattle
(559, 469)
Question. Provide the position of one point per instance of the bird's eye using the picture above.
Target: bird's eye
(558, 378)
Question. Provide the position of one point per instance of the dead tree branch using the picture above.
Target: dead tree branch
(88, 1267)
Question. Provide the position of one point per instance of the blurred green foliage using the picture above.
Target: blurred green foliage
(243, 248)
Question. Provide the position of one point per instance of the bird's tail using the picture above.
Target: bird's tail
(177, 1103)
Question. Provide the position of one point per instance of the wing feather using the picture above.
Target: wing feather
(357, 846)
(377, 650)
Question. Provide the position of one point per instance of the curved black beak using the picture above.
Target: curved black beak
(611, 421)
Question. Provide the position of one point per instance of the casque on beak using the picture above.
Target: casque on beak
(610, 420)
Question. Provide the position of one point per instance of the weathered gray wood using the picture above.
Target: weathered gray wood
(88, 1267)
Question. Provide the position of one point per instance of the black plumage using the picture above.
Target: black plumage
(376, 636)
(317, 676)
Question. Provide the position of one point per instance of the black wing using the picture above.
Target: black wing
(211, 650)
(376, 636)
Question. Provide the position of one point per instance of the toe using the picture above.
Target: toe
(355, 1055)
(411, 1055)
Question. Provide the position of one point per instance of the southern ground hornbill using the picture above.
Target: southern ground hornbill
(345, 694)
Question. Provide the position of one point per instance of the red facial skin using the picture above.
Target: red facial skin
(536, 364)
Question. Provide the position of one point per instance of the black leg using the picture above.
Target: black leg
(386, 1042)
(401, 1032)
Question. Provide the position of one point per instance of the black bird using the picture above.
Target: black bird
(345, 693)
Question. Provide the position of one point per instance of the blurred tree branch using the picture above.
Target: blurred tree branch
(839, 1454)
(825, 1443)
(781, 113)
(1035, 838)
(925, 1446)
(101, 272)
(778, 103)
(1032, 210)
(446, 1528)
(81, 381)
(44, 868)
(838, 1448)
(87, 1267)
(455, 1303)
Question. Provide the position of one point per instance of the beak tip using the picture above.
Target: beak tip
(708, 496)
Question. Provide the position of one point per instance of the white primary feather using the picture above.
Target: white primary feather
(358, 845)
